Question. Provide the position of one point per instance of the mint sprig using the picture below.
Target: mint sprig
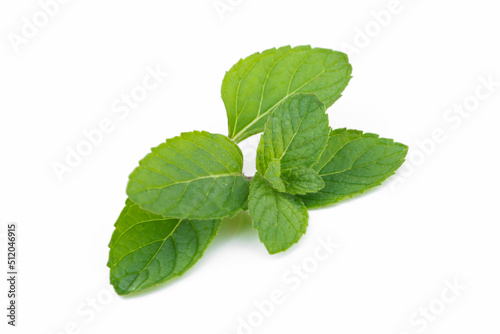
(181, 191)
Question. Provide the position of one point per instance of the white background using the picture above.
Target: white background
(435, 222)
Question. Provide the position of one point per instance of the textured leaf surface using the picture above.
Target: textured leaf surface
(296, 133)
(256, 84)
(147, 249)
(194, 176)
(299, 181)
(281, 219)
(273, 175)
(353, 163)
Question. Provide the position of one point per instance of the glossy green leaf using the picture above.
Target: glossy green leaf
(197, 175)
(353, 163)
(299, 181)
(147, 249)
(296, 133)
(258, 83)
(280, 219)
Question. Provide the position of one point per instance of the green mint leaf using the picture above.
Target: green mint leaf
(353, 163)
(281, 219)
(273, 175)
(300, 180)
(296, 133)
(258, 83)
(148, 249)
(197, 175)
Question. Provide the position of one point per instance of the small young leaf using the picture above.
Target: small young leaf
(194, 176)
(300, 180)
(353, 163)
(256, 84)
(147, 249)
(281, 219)
(273, 175)
(296, 133)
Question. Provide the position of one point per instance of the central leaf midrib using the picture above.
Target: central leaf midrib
(149, 243)
(191, 180)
